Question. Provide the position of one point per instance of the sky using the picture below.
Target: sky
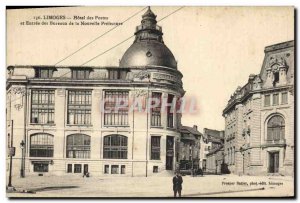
(217, 48)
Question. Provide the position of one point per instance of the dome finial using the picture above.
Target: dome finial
(149, 14)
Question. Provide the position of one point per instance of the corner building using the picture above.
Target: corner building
(56, 111)
(259, 118)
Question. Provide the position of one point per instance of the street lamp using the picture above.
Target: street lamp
(22, 144)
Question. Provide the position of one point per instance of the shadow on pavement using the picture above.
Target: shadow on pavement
(52, 188)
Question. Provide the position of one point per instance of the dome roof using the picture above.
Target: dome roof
(146, 53)
(148, 48)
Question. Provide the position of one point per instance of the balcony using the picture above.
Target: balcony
(275, 143)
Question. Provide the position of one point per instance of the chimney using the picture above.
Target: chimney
(195, 127)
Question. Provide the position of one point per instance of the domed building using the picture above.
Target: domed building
(148, 48)
(62, 117)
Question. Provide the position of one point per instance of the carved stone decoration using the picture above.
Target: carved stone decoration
(142, 75)
(257, 82)
(140, 92)
(19, 93)
(277, 62)
(166, 77)
(291, 90)
(18, 106)
(10, 71)
(18, 90)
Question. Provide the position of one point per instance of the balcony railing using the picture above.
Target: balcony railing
(274, 143)
(140, 27)
(281, 141)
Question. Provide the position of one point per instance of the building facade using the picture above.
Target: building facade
(259, 118)
(61, 121)
(215, 154)
(189, 148)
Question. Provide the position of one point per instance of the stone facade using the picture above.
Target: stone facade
(215, 155)
(259, 118)
(41, 101)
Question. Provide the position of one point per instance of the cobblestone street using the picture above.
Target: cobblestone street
(207, 186)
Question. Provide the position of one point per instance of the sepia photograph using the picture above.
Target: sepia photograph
(150, 102)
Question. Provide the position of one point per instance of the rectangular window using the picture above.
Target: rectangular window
(284, 98)
(123, 169)
(170, 111)
(275, 99)
(40, 167)
(77, 168)
(42, 106)
(106, 169)
(114, 169)
(115, 147)
(117, 74)
(80, 74)
(44, 72)
(69, 170)
(79, 107)
(155, 147)
(116, 108)
(155, 169)
(267, 100)
(156, 111)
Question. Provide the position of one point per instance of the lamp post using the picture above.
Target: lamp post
(10, 187)
(22, 144)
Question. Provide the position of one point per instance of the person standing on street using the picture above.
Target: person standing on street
(177, 184)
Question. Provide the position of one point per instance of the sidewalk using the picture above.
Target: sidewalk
(207, 186)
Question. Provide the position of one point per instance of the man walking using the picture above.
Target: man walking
(177, 184)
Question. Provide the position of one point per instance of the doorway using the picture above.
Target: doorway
(273, 162)
(170, 153)
(85, 168)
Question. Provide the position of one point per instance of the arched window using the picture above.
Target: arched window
(78, 146)
(41, 145)
(276, 128)
(115, 147)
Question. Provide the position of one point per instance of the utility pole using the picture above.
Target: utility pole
(11, 154)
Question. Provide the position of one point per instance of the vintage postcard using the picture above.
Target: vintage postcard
(150, 102)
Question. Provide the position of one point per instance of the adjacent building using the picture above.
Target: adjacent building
(189, 148)
(215, 154)
(58, 123)
(259, 117)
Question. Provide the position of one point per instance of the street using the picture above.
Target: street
(155, 186)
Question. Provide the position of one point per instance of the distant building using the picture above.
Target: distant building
(205, 146)
(189, 149)
(215, 155)
(259, 117)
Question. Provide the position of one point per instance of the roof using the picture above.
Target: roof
(190, 130)
(148, 53)
(213, 135)
(188, 137)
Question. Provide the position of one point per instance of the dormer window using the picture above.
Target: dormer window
(276, 78)
(44, 72)
(80, 74)
(117, 74)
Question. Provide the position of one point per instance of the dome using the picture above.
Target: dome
(146, 53)
(148, 48)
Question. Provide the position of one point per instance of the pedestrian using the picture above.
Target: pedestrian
(177, 184)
